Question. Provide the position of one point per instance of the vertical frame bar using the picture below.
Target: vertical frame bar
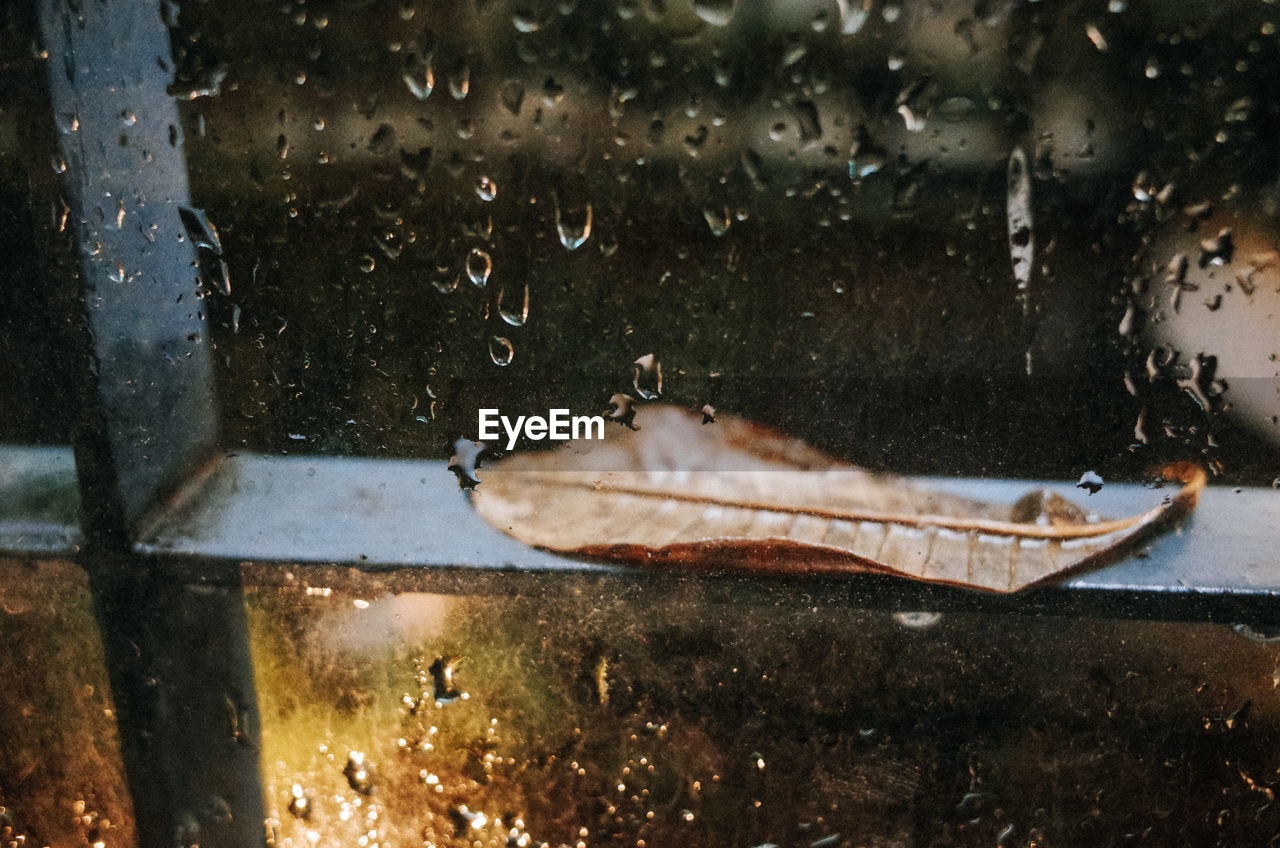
(177, 649)
(126, 181)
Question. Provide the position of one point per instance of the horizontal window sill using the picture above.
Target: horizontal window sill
(408, 517)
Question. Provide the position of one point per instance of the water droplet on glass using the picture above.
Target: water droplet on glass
(486, 189)
(200, 229)
(1217, 250)
(913, 122)
(513, 303)
(445, 282)
(917, 620)
(1095, 35)
(853, 14)
(1018, 208)
(524, 20)
(420, 77)
(714, 12)
(622, 410)
(1091, 482)
(718, 220)
(573, 224)
(501, 351)
(116, 274)
(479, 266)
(367, 264)
(511, 95)
(204, 236)
(59, 165)
(460, 82)
(647, 377)
(390, 239)
(359, 773)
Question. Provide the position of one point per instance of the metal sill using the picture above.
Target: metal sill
(406, 517)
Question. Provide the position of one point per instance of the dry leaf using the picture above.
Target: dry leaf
(740, 497)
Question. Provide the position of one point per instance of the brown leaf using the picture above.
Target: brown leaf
(741, 497)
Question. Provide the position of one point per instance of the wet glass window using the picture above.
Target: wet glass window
(1012, 242)
(567, 423)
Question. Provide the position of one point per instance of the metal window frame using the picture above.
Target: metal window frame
(167, 523)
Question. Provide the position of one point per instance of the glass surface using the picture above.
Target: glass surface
(1004, 239)
(664, 716)
(34, 404)
(927, 237)
(61, 777)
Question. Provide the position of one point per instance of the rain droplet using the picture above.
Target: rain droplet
(647, 377)
(445, 283)
(917, 620)
(1096, 36)
(204, 236)
(853, 14)
(479, 266)
(200, 229)
(524, 20)
(501, 351)
(59, 165)
(486, 189)
(573, 224)
(718, 220)
(913, 122)
(1217, 250)
(512, 307)
(367, 264)
(1091, 482)
(420, 77)
(460, 82)
(622, 410)
(511, 95)
(1018, 207)
(714, 12)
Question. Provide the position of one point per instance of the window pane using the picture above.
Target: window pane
(61, 778)
(34, 404)
(919, 237)
(665, 716)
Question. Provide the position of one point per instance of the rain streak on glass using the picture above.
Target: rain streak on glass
(479, 266)
(501, 350)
